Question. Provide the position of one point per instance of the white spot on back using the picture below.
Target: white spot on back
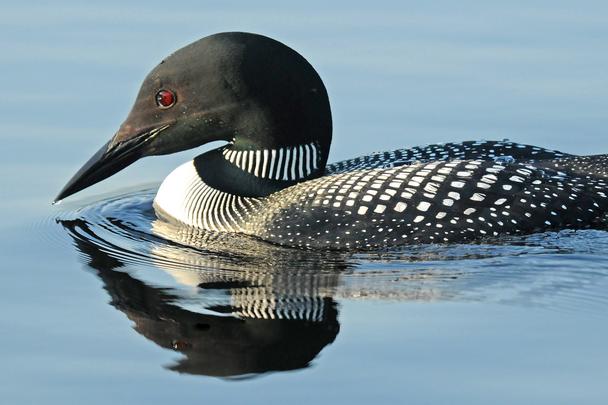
(400, 206)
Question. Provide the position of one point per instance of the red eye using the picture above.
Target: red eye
(165, 98)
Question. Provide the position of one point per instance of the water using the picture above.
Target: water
(104, 303)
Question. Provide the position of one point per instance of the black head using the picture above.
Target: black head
(246, 89)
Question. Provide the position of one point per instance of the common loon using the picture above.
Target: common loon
(271, 180)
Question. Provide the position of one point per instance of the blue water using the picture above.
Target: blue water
(104, 304)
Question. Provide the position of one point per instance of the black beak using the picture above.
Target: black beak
(110, 159)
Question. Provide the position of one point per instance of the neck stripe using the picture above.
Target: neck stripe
(251, 159)
(301, 162)
(257, 163)
(294, 162)
(287, 155)
(273, 154)
(307, 148)
(277, 175)
(264, 162)
(243, 161)
(288, 163)
(308, 155)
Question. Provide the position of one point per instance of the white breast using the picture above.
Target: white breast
(185, 197)
(174, 193)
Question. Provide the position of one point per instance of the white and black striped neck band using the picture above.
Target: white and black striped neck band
(285, 163)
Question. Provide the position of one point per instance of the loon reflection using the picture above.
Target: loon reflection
(241, 327)
(236, 306)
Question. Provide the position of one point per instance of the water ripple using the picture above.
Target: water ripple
(555, 269)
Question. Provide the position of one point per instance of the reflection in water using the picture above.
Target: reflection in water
(235, 306)
(249, 327)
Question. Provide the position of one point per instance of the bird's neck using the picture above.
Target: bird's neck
(260, 172)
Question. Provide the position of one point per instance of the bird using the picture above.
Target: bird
(270, 178)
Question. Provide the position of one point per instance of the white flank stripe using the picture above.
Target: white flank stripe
(248, 201)
(226, 211)
(201, 204)
(217, 210)
(191, 207)
(203, 207)
(229, 205)
(234, 214)
(221, 208)
(215, 221)
(190, 194)
(235, 210)
(238, 200)
(194, 208)
(209, 209)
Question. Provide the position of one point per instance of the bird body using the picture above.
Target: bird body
(271, 179)
(435, 194)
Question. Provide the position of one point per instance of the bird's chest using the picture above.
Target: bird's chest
(185, 197)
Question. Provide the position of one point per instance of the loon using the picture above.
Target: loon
(271, 179)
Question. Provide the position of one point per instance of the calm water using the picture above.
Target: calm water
(103, 303)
